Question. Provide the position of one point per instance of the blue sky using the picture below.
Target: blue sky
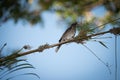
(72, 62)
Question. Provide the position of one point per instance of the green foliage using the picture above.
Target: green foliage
(16, 10)
(68, 10)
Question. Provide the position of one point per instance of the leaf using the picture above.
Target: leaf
(18, 67)
(15, 70)
(11, 63)
(21, 68)
(23, 74)
(102, 44)
(32, 74)
(2, 49)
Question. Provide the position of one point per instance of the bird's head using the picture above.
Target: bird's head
(74, 24)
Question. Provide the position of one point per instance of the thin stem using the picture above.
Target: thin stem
(98, 58)
(116, 66)
(101, 37)
(107, 23)
(2, 49)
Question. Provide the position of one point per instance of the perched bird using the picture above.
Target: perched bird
(68, 34)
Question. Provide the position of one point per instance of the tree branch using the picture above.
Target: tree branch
(115, 31)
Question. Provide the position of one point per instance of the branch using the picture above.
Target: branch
(114, 31)
(116, 60)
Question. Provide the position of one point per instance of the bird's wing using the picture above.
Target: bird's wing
(65, 33)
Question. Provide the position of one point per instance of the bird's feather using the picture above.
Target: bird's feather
(68, 34)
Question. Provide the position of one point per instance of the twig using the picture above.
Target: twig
(116, 66)
(101, 37)
(2, 49)
(98, 58)
(107, 23)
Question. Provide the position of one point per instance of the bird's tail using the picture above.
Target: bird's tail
(57, 48)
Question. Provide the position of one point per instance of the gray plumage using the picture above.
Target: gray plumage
(68, 34)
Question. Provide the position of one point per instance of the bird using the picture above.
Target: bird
(68, 34)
